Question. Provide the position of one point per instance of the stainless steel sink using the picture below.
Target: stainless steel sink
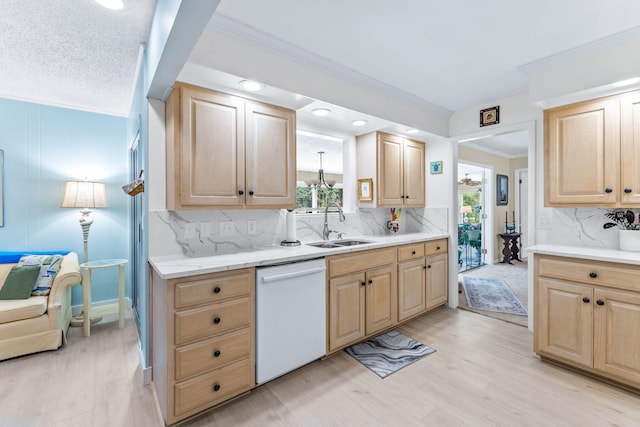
(337, 243)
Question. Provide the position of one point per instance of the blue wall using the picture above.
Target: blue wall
(44, 147)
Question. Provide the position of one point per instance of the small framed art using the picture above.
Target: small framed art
(365, 189)
(502, 190)
(490, 116)
(436, 167)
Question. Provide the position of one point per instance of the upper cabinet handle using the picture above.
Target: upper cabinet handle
(627, 190)
(608, 190)
(240, 192)
(251, 193)
(407, 197)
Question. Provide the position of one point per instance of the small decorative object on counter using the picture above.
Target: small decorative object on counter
(628, 229)
(393, 225)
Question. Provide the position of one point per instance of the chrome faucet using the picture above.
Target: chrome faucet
(325, 230)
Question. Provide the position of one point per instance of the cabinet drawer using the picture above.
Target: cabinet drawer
(214, 288)
(212, 353)
(413, 251)
(205, 321)
(436, 247)
(345, 264)
(201, 392)
(620, 276)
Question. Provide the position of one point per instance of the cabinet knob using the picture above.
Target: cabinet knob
(216, 290)
(600, 302)
(216, 320)
(370, 281)
(428, 266)
(627, 190)
(585, 299)
(240, 192)
(425, 267)
(406, 197)
(413, 252)
(593, 274)
(216, 387)
(608, 190)
(251, 192)
(437, 248)
(216, 353)
(363, 283)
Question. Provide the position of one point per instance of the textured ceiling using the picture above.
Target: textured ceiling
(455, 54)
(72, 53)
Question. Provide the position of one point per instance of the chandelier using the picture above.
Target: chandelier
(318, 183)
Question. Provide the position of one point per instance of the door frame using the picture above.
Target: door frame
(518, 200)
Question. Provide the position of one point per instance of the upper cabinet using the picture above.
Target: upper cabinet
(397, 167)
(592, 153)
(227, 152)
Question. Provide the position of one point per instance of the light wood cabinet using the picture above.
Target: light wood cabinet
(227, 152)
(592, 153)
(397, 166)
(422, 280)
(587, 315)
(202, 341)
(362, 295)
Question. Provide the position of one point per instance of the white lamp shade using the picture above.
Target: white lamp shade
(84, 194)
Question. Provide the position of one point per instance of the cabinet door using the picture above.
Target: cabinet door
(212, 149)
(413, 173)
(617, 334)
(630, 148)
(437, 283)
(346, 310)
(390, 172)
(564, 321)
(270, 156)
(381, 299)
(581, 154)
(411, 288)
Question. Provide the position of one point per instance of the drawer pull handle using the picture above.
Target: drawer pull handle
(251, 193)
(370, 281)
(216, 387)
(428, 266)
(437, 248)
(627, 190)
(585, 299)
(407, 197)
(216, 353)
(216, 320)
(413, 252)
(216, 290)
(363, 283)
(240, 192)
(600, 302)
(425, 267)
(608, 190)
(593, 274)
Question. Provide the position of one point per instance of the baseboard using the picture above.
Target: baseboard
(77, 309)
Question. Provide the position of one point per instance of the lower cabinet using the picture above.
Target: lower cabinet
(202, 341)
(587, 315)
(372, 291)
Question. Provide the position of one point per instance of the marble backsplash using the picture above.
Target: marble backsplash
(579, 227)
(167, 228)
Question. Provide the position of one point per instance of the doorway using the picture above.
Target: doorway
(471, 216)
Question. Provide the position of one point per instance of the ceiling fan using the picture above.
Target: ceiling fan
(468, 181)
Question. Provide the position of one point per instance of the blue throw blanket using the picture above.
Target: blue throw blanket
(13, 257)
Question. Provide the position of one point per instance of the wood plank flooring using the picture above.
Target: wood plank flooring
(483, 374)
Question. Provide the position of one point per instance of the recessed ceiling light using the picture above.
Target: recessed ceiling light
(250, 85)
(359, 122)
(111, 4)
(412, 131)
(626, 82)
(321, 112)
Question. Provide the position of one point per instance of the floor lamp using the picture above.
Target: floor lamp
(84, 195)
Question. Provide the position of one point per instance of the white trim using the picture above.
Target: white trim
(486, 149)
(516, 183)
(248, 34)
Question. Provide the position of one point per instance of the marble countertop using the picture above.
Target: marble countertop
(173, 266)
(596, 254)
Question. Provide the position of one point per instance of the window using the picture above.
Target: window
(313, 153)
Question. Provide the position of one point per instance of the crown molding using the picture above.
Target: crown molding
(593, 48)
(248, 34)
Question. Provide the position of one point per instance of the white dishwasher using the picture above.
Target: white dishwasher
(291, 327)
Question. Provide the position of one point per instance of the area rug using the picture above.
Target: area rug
(491, 295)
(388, 353)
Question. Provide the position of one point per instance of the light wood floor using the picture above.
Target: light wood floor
(483, 374)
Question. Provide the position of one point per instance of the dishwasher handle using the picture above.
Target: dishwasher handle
(275, 278)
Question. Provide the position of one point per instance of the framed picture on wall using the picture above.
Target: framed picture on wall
(365, 189)
(502, 190)
(436, 167)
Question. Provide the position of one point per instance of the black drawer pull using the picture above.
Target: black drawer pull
(216, 387)
(593, 274)
(600, 302)
(407, 197)
(402, 197)
(585, 299)
(370, 281)
(240, 192)
(216, 320)
(363, 283)
(413, 252)
(216, 290)
(425, 267)
(627, 190)
(428, 266)
(216, 353)
(608, 190)
(251, 193)
(437, 248)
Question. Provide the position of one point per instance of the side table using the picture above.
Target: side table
(91, 312)
(511, 249)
